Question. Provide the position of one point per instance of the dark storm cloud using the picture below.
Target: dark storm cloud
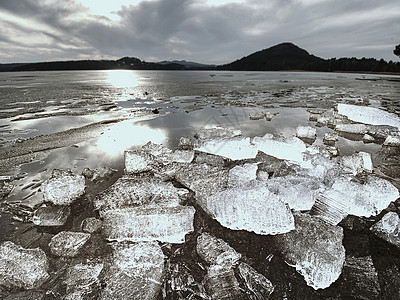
(195, 30)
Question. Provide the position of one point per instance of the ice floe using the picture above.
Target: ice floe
(233, 148)
(388, 228)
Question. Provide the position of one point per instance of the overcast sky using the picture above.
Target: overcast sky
(206, 31)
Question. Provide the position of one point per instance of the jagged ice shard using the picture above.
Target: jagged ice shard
(368, 115)
(315, 249)
(388, 228)
(253, 208)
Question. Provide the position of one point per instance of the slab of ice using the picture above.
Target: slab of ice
(306, 133)
(388, 228)
(256, 283)
(330, 138)
(210, 159)
(232, 148)
(257, 115)
(68, 243)
(164, 224)
(156, 149)
(217, 132)
(348, 197)
(357, 163)
(63, 187)
(165, 155)
(22, 268)
(242, 175)
(51, 215)
(185, 143)
(134, 191)
(82, 280)
(252, 209)
(216, 251)
(353, 128)
(289, 149)
(392, 140)
(368, 115)
(136, 272)
(315, 249)
(99, 174)
(361, 274)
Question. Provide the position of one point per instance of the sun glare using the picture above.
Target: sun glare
(122, 78)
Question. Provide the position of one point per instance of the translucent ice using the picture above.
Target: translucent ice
(146, 223)
(67, 243)
(252, 209)
(352, 128)
(51, 215)
(138, 162)
(63, 187)
(222, 284)
(315, 249)
(22, 268)
(368, 115)
(136, 272)
(357, 163)
(388, 228)
(82, 279)
(232, 148)
(134, 191)
(289, 149)
(242, 175)
(349, 197)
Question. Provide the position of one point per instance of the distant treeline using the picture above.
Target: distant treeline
(282, 57)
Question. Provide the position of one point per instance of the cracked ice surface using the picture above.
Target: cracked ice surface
(134, 191)
(242, 175)
(135, 272)
(368, 115)
(63, 187)
(289, 149)
(146, 223)
(252, 209)
(315, 249)
(23, 268)
(357, 163)
(388, 228)
(67, 243)
(233, 148)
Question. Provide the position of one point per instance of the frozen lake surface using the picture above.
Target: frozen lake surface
(280, 176)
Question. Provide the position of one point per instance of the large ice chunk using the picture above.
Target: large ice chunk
(289, 149)
(68, 243)
(22, 268)
(388, 228)
(233, 148)
(260, 286)
(136, 272)
(216, 132)
(307, 134)
(368, 115)
(349, 197)
(252, 209)
(51, 215)
(242, 175)
(138, 162)
(315, 249)
(135, 191)
(82, 280)
(147, 223)
(63, 187)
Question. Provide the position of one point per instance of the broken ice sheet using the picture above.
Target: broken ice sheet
(242, 175)
(22, 268)
(357, 163)
(82, 279)
(306, 133)
(67, 243)
(388, 228)
(253, 209)
(233, 148)
(134, 191)
(315, 249)
(51, 215)
(368, 115)
(260, 286)
(289, 149)
(135, 272)
(138, 162)
(157, 223)
(216, 132)
(63, 187)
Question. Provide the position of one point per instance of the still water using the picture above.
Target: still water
(162, 106)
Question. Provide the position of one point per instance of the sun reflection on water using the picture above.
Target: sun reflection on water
(122, 78)
(125, 135)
